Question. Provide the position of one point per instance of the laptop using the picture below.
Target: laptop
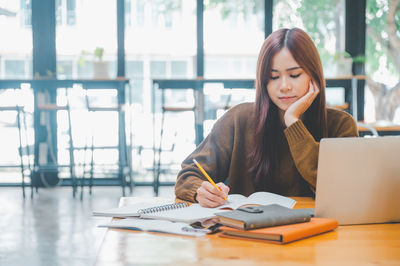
(358, 180)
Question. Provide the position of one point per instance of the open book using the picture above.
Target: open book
(158, 226)
(195, 212)
(235, 201)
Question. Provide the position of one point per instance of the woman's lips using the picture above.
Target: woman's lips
(287, 98)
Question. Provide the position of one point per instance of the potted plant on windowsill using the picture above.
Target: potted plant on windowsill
(358, 65)
(344, 63)
(100, 67)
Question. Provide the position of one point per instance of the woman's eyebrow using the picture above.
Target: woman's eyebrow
(293, 68)
(288, 69)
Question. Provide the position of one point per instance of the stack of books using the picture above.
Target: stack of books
(272, 223)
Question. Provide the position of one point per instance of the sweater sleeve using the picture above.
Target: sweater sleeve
(304, 149)
(213, 154)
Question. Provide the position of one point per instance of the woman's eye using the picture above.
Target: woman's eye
(276, 77)
(295, 76)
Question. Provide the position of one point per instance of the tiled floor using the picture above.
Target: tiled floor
(54, 228)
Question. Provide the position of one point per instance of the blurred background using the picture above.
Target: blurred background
(105, 98)
(120, 131)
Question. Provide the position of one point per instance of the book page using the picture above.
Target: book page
(267, 198)
(233, 202)
(160, 226)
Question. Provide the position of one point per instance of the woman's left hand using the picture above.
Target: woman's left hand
(297, 108)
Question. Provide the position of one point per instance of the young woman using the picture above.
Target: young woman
(272, 144)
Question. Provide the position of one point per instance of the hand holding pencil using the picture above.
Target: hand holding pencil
(210, 194)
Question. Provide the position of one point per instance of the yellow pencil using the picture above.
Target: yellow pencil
(206, 175)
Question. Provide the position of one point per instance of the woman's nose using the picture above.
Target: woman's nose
(285, 84)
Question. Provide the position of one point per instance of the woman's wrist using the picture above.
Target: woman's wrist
(290, 120)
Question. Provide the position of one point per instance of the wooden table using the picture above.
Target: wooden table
(392, 130)
(349, 245)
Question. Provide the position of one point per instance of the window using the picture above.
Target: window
(16, 44)
(83, 28)
(160, 42)
(158, 69)
(14, 68)
(382, 70)
(66, 12)
(233, 35)
(26, 13)
(179, 69)
(65, 69)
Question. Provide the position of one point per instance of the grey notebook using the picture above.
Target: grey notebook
(253, 217)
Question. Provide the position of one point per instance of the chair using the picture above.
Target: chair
(125, 169)
(165, 109)
(23, 150)
(369, 128)
(41, 167)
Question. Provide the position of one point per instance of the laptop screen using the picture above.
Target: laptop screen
(358, 180)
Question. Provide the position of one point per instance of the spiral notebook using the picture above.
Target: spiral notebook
(137, 210)
(189, 214)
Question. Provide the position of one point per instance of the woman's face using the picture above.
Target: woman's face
(287, 81)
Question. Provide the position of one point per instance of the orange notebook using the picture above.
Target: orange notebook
(282, 234)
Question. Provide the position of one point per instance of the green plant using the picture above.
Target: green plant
(340, 55)
(98, 53)
(81, 59)
(359, 59)
(49, 75)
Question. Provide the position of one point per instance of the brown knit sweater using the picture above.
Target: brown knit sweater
(223, 154)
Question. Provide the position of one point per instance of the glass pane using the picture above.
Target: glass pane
(16, 41)
(86, 39)
(90, 127)
(233, 34)
(179, 69)
(322, 20)
(383, 61)
(160, 43)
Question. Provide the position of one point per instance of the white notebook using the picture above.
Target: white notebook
(190, 214)
(195, 212)
(135, 210)
(159, 226)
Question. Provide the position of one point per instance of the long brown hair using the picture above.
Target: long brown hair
(268, 133)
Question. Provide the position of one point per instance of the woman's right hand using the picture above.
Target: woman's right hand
(209, 196)
(301, 105)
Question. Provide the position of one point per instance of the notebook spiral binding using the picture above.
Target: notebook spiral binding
(164, 207)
